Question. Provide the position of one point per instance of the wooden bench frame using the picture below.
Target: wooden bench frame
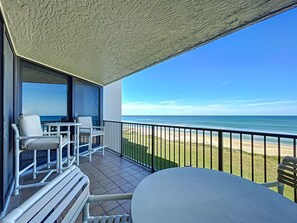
(62, 200)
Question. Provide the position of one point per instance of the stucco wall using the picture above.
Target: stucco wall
(112, 101)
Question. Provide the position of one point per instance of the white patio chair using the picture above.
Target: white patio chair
(88, 130)
(63, 199)
(287, 174)
(29, 137)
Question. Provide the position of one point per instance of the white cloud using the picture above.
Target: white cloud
(229, 107)
(271, 103)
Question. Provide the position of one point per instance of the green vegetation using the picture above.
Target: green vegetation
(168, 154)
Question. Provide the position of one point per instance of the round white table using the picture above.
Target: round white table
(70, 160)
(201, 195)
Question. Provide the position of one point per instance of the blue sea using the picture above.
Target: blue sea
(61, 118)
(52, 118)
(275, 124)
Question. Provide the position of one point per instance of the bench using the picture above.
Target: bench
(62, 200)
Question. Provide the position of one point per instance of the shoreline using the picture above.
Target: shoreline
(258, 145)
(271, 124)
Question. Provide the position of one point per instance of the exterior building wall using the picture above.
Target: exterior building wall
(112, 111)
(112, 101)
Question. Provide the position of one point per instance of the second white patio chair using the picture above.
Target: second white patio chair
(88, 130)
(29, 137)
(287, 175)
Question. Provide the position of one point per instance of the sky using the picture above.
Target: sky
(250, 72)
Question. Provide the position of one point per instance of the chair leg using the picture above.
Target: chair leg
(280, 189)
(17, 169)
(60, 155)
(57, 160)
(34, 163)
(60, 159)
(103, 143)
(68, 154)
(77, 137)
(90, 148)
(68, 146)
(86, 213)
(48, 159)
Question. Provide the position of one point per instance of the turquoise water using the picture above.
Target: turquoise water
(60, 118)
(278, 124)
(53, 118)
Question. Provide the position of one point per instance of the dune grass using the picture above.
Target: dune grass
(168, 153)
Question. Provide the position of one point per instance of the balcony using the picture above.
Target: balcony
(251, 155)
(136, 150)
(73, 53)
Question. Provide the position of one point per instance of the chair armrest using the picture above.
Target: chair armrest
(280, 186)
(100, 198)
(109, 197)
(88, 128)
(99, 127)
(271, 184)
(55, 133)
(38, 137)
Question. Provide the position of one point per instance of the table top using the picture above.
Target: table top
(192, 194)
(62, 123)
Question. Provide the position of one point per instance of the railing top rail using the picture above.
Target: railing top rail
(233, 131)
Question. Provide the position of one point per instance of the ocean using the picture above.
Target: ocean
(61, 118)
(52, 118)
(273, 124)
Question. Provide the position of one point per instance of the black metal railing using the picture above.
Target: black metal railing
(249, 154)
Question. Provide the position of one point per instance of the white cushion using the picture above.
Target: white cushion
(30, 125)
(94, 132)
(86, 122)
(46, 143)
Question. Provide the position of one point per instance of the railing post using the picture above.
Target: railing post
(153, 148)
(121, 149)
(220, 150)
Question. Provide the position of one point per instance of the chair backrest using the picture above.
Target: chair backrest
(29, 125)
(66, 194)
(287, 171)
(86, 122)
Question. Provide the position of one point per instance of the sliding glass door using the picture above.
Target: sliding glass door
(8, 113)
(44, 93)
(86, 100)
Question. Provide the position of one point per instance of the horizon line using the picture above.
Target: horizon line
(219, 115)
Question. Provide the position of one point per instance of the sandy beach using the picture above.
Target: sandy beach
(271, 146)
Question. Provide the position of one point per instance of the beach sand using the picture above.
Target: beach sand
(286, 149)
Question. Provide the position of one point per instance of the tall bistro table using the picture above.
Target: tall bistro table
(202, 195)
(70, 159)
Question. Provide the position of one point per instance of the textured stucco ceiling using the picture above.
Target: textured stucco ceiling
(105, 40)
